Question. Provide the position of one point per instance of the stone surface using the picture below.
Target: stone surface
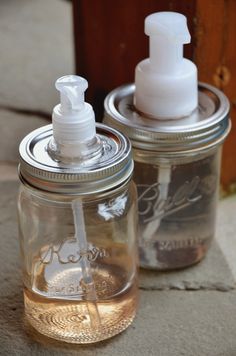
(172, 322)
(226, 231)
(13, 129)
(8, 171)
(36, 48)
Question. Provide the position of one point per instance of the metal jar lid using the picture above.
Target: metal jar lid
(207, 126)
(112, 168)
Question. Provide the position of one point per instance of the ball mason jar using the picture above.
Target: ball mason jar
(77, 227)
(177, 171)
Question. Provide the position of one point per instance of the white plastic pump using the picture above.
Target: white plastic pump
(73, 119)
(166, 83)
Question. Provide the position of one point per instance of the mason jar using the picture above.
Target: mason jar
(177, 171)
(77, 230)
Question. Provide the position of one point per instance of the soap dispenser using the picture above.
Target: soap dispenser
(77, 224)
(177, 127)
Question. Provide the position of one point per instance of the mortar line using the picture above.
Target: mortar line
(189, 289)
(27, 112)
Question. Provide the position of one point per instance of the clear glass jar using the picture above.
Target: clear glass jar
(176, 216)
(72, 294)
(77, 221)
(177, 170)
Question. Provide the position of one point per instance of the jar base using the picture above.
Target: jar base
(81, 322)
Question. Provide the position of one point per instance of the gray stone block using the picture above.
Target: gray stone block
(8, 171)
(173, 323)
(13, 128)
(36, 48)
(226, 231)
(190, 323)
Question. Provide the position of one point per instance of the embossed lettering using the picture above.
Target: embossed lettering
(64, 256)
(152, 207)
(180, 244)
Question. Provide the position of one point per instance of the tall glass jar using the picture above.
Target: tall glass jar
(77, 226)
(177, 170)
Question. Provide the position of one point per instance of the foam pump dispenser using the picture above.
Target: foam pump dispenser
(177, 127)
(77, 210)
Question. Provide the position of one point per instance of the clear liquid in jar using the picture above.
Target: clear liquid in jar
(82, 321)
(177, 219)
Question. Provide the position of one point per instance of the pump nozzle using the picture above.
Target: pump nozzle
(168, 33)
(71, 88)
(73, 119)
(166, 83)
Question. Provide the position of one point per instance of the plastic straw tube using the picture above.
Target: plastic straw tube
(163, 178)
(88, 282)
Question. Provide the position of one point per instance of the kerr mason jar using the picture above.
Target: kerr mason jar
(78, 239)
(177, 171)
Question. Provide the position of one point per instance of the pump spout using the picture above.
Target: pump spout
(166, 82)
(73, 121)
(167, 32)
(71, 88)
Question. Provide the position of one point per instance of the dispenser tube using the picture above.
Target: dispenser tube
(88, 282)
